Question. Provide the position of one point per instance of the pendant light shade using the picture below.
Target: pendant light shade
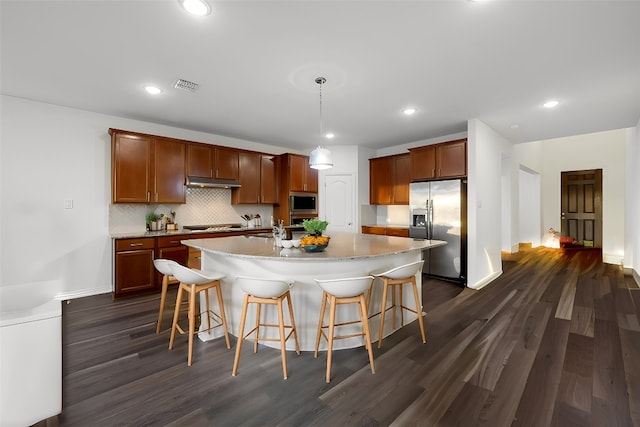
(320, 158)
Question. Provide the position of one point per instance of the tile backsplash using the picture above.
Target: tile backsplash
(204, 206)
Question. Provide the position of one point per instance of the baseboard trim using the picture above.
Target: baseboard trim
(612, 259)
(63, 296)
(484, 282)
(636, 276)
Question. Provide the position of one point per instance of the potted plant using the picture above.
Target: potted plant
(151, 219)
(314, 227)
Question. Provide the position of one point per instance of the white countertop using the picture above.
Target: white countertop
(343, 246)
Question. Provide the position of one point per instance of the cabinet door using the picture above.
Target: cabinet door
(380, 181)
(268, 194)
(134, 271)
(311, 177)
(131, 168)
(169, 165)
(401, 179)
(226, 163)
(423, 163)
(452, 159)
(297, 172)
(398, 232)
(179, 254)
(249, 178)
(199, 161)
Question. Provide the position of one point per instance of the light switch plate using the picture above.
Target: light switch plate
(68, 203)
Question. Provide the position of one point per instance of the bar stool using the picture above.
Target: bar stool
(344, 291)
(193, 282)
(396, 277)
(265, 291)
(164, 267)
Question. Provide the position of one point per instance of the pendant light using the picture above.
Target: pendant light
(320, 158)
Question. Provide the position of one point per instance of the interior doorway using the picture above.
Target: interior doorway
(581, 204)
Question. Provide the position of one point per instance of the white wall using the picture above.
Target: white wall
(529, 229)
(602, 150)
(486, 149)
(632, 206)
(52, 153)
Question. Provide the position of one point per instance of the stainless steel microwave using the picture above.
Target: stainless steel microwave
(303, 203)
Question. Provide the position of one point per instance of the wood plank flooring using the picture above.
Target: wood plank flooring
(554, 341)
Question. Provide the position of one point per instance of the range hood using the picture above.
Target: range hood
(196, 181)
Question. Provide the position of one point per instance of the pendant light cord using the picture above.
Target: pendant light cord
(321, 81)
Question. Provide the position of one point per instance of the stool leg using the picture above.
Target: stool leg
(385, 289)
(243, 318)
(323, 306)
(332, 320)
(192, 322)
(176, 314)
(393, 306)
(283, 350)
(163, 300)
(400, 285)
(222, 314)
(255, 343)
(206, 309)
(293, 322)
(418, 309)
(365, 330)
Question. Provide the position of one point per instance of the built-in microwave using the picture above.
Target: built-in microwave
(303, 203)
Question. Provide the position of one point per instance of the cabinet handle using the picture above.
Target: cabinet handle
(433, 172)
(148, 196)
(175, 241)
(135, 244)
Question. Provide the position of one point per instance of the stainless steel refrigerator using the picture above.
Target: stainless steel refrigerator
(438, 212)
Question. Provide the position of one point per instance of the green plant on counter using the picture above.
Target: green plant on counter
(150, 217)
(314, 226)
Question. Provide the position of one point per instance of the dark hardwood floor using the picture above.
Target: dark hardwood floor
(554, 341)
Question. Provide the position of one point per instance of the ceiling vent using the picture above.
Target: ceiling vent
(185, 85)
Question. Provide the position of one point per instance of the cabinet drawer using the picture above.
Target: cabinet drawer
(135, 244)
(367, 229)
(168, 241)
(399, 232)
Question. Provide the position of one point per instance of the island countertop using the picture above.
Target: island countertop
(342, 246)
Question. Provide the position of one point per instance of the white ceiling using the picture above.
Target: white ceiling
(256, 62)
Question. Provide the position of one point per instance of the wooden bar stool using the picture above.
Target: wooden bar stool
(266, 291)
(396, 277)
(344, 291)
(164, 267)
(193, 282)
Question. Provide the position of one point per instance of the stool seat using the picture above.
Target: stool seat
(343, 291)
(164, 267)
(397, 277)
(193, 282)
(266, 291)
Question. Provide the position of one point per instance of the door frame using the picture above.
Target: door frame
(597, 198)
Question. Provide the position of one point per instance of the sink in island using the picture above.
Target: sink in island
(348, 255)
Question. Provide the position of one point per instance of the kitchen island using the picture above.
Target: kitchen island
(348, 255)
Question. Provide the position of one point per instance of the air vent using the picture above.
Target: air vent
(185, 85)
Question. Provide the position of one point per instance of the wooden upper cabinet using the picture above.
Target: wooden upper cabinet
(268, 184)
(146, 169)
(208, 161)
(301, 176)
(445, 160)
(380, 180)
(226, 163)
(423, 163)
(257, 179)
(130, 168)
(249, 192)
(451, 160)
(169, 171)
(389, 179)
(401, 179)
(200, 160)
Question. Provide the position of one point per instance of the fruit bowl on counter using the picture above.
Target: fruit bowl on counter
(314, 243)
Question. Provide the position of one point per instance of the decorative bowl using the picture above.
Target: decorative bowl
(314, 248)
(287, 244)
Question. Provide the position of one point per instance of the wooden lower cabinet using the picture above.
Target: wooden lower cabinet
(134, 270)
(385, 231)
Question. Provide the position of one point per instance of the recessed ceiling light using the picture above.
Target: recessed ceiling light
(153, 90)
(196, 7)
(515, 126)
(550, 104)
(409, 111)
(329, 135)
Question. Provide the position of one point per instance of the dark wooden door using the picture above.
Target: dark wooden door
(581, 204)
